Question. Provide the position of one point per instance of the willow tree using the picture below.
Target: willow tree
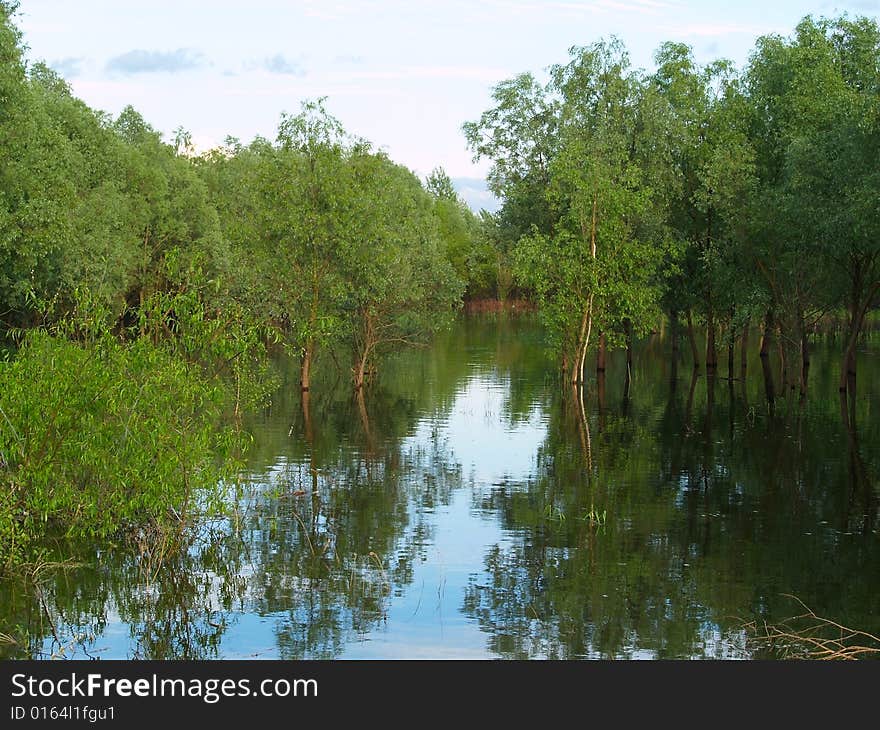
(710, 166)
(815, 127)
(596, 269)
(310, 219)
(459, 230)
(400, 285)
(519, 135)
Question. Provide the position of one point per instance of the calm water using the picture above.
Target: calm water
(466, 509)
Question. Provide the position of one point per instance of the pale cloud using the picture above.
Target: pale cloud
(474, 192)
(142, 61)
(69, 67)
(278, 64)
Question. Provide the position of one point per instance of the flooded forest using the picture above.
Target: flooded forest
(286, 399)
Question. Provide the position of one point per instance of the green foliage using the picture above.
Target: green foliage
(335, 244)
(400, 286)
(459, 231)
(100, 437)
(593, 247)
(729, 196)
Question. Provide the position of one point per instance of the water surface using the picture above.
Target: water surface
(467, 508)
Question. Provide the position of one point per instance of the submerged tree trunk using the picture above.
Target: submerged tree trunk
(365, 422)
(627, 327)
(577, 394)
(857, 321)
(730, 346)
(601, 354)
(769, 388)
(848, 366)
(783, 360)
(805, 360)
(767, 334)
(587, 321)
(369, 341)
(710, 407)
(306, 372)
(689, 405)
(583, 342)
(693, 340)
(307, 418)
(673, 333)
(360, 371)
(711, 349)
(861, 483)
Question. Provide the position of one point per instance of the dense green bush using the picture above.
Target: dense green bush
(100, 436)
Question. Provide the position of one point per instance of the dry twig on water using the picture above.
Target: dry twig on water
(809, 636)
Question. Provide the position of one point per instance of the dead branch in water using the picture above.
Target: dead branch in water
(809, 636)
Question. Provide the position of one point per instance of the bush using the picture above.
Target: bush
(100, 437)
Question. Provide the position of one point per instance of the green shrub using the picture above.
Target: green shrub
(98, 437)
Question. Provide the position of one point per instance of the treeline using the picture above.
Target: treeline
(317, 236)
(719, 198)
(141, 284)
(334, 243)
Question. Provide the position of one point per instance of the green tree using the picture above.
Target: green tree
(459, 230)
(401, 287)
(711, 163)
(815, 126)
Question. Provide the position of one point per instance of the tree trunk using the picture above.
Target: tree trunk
(730, 346)
(767, 334)
(360, 371)
(711, 350)
(693, 340)
(689, 406)
(673, 333)
(583, 427)
(857, 321)
(805, 359)
(769, 388)
(783, 360)
(601, 354)
(306, 373)
(307, 418)
(367, 345)
(365, 422)
(744, 351)
(627, 327)
(708, 424)
(588, 322)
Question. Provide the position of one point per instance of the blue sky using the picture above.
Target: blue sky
(404, 75)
